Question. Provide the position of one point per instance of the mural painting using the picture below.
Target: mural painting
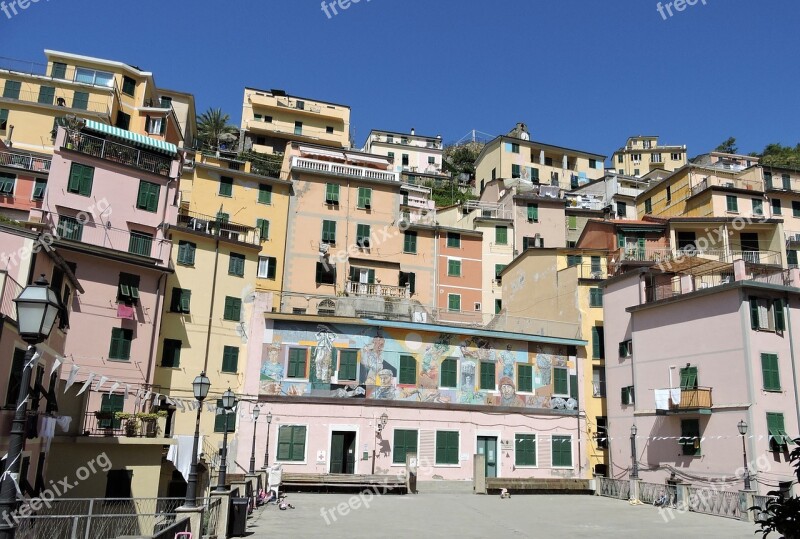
(352, 361)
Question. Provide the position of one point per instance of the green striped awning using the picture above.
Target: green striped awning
(134, 138)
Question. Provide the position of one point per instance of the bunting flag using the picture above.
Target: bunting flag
(114, 387)
(34, 359)
(72, 374)
(100, 383)
(56, 364)
(87, 383)
(127, 392)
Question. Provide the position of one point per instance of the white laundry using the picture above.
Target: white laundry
(662, 399)
(47, 431)
(675, 396)
(180, 454)
(63, 422)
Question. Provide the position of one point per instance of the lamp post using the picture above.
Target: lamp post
(266, 452)
(256, 412)
(379, 429)
(37, 309)
(743, 430)
(200, 387)
(634, 463)
(228, 402)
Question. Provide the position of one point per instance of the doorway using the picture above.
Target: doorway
(343, 452)
(487, 445)
(749, 241)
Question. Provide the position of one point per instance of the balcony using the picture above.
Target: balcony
(64, 99)
(218, 226)
(25, 161)
(376, 289)
(637, 254)
(118, 153)
(9, 290)
(738, 183)
(337, 169)
(783, 183)
(629, 191)
(590, 271)
(129, 425)
(696, 399)
(487, 210)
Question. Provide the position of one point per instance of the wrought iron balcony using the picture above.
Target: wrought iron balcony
(218, 225)
(25, 161)
(118, 153)
(131, 425)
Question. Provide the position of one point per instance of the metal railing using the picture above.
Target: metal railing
(636, 254)
(218, 226)
(106, 424)
(118, 153)
(738, 183)
(372, 289)
(650, 492)
(10, 290)
(488, 210)
(721, 503)
(65, 99)
(338, 169)
(614, 488)
(26, 161)
(212, 507)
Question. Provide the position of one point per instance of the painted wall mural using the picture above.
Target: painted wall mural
(350, 361)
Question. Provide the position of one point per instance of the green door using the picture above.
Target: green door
(487, 445)
(343, 452)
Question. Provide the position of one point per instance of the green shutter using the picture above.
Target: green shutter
(595, 297)
(688, 378)
(454, 240)
(263, 229)
(186, 252)
(329, 231)
(148, 196)
(447, 447)
(408, 370)
(533, 212)
(80, 100)
(561, 451)
(405, 442)
(449, 375)
(780, 321)
(454, 302)
(332, 193)
(80, 179)
(233, 309)
(362, 235)
(769, 370)
(454, 268)
(732, 203)
(264, 194)
(572, 222)
(560, 381)
(501, 235)
(46, 95)
(410, 242)
(754, 319)
(573, 386)
(120, 344)
(525, 378)
(598, 348)
(236, 265)
(297, 363)
(525, 450)
(225, 186)
(488, 371)
(364, 197)
(348, 365)
(230, 359)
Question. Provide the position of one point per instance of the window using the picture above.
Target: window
(39, 189)
(225, 421)
(331, 193)
(560, 381)
(688, 377)
(648, 205)
(348, 365)
(128, 288)
(636, 172)
(225, 186)
(7, 182)
(230, 359)
(732, 203)
(778, 439)
(595, 297)
(362, 236)
(431, 160)
(404, 159)
(264, 194)
(620, 158)
(236, 265)
(628, 396)
(58, 70)
(46, 95)
(453, 267)
(186, 252)
(525, 378)
(601, 436)
(263, 229)
(3, 119)
(525, 450)
(758, 206)
(148, 196)
(690, 437)
(795, 208)
(533, 213)
(572, 222)
(326, 273)
(267, 266)
(298, 128)
(636, 156)
(140, 244)
(598, 381)
(405, 442)
(454, 240)
(80, 179)
(364, 197)
(233, 309)
(596, 266)
(501, 235)
(291, 443)
(622, 209)
(80, 100)
(776, 206)
(408, 279)
(329, 130)
(676, 156)
(769, 370)
(516, 171)
(155, 126)
(592, 163)
(562, 451)
(120, 344)
(69, 228)
(786, 182)
(390, 155)
(598, 344)
(409, 242)
(767, 315)
(791, 258)
(626, 348)
(128, 85)
(11, 89)
(329, 232)
(447, 447)
(297, 363)
(498, 306)
(454, 302)
(171, 356)
(448, 377)
(111, 403)
(15, 377)
(408, 370)
(181, 300)
(498, 269)
(488, 372)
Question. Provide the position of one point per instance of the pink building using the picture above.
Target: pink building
(698, 351)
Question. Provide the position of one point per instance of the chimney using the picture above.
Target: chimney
(413, 131)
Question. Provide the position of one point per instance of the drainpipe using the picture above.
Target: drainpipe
(794, 362)
(211, 307)
(156, 327)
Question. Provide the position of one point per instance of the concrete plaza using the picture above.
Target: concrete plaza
(468, 515)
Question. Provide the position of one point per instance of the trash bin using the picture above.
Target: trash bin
(237, 522)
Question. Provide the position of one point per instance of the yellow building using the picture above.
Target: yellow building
(34, 96)
(272, 118)
(567, 289)
(643, 154)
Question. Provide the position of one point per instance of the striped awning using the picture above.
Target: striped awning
(134, 138)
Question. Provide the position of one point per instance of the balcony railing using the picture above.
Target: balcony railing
(778, 183)
(218, 226)
(25, 161)
(118, 153)
(106, 424)
(590, 271)
(324, 167)
(697, 398)
(9, 290)
(64, 99)
(487, 210)
(636, 254)
(377, 289)
(629, 191)
(750, 185)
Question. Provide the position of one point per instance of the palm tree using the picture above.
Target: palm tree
(213, 128)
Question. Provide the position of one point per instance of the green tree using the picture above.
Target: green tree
(729, 146)
(213, 128)
(460, 159)
(778, 155)
(782, 515)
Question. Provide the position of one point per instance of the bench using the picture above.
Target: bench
(532, 485)
(327, 482)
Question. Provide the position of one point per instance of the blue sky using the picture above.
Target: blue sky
(584, 74)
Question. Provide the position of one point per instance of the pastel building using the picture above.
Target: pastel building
(643, 154)
(694, 353)
(23, 181)
(782, 189)
(409, 151)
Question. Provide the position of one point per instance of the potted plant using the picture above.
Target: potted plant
(130, 423)
(105, 420)
(149, 422)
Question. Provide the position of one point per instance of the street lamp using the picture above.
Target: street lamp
(743, 430)
(266, 452)
(37, 309)
(634, 465)
(228, 402)
(200, 386)
(379, 429)
(256, 412)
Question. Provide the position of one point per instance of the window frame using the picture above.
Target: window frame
(519, 437)
(264, 194)
(446, 461)
(487, 376)
(404, 446)
(405, 370)
(410, 242)
(450, 303)
(561, 443)
(271, 265)
(453, 240)
(174, 347)
(124, 339)
(236, 264)
(454, 373)
(292, 362)
(230, 354)
(232, 303)
(225, 187)
(185, 250)
(770, 372)
(454, 267)
(524, 382)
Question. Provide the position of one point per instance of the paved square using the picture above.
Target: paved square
(468, 515)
